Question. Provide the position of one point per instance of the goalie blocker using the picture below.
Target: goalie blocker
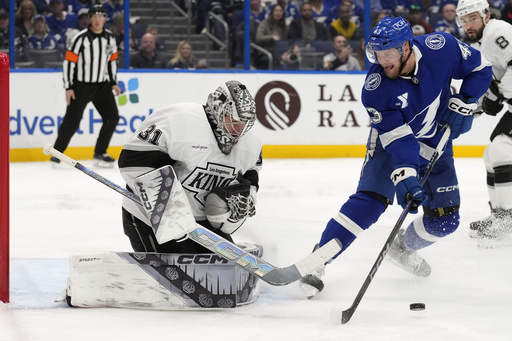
(160, 281)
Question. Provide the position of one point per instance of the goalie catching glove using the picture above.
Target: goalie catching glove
(228, 207)
(407, 184)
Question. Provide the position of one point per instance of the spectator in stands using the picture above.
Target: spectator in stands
(20, 40)
(418, 30)
(41, 39)
(415, 17)
(23, 17)
(160, 44)
(113, 7)
(74, 6)
(506, 12)
(83, 23)
(59, 21)
(341, 58)
(321, 13)
(357, 12)
(148, 57)
(305, 28)
(257, 11)
(291, 12)
(184, 58)
(376, 18)
(272, 29)
(361, 53)
(290, 60)
(448, 24)
(117, 29)
(343, 25)
(495, 8)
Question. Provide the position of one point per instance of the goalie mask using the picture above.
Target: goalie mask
(231, 111)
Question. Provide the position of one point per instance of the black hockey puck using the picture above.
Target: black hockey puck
(417, 306)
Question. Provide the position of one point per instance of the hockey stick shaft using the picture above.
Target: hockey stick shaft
(49, 150)
(346, 315)
(224, 248)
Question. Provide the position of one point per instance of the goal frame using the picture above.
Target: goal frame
(4, 177)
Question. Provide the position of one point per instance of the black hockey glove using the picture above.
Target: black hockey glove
(459, 114)
(492, 102)
(504, 126)
(233, 203)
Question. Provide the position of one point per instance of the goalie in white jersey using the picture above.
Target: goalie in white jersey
(215, 156)
(494, 39)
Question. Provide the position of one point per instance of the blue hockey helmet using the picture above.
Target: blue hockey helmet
(388, 33)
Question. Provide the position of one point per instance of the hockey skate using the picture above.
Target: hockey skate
(407, 259)
(104, 160)
(499, 232)
(477, 228)
(312, 283)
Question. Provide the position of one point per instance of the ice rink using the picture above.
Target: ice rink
(56, 213)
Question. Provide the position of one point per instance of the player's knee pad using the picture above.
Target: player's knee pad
(428, 229)
(499, 152)
(441, 224)
(359, 212)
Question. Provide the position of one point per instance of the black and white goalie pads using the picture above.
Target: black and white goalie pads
(227, 207)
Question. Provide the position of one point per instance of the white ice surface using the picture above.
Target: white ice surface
(59, 212)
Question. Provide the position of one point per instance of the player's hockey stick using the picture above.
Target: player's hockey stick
(224, 248)
(346, 315)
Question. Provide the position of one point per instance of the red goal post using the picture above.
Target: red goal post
(4, 177)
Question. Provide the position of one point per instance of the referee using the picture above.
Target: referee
(90, 75)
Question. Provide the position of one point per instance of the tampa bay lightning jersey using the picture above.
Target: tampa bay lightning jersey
(406, 111)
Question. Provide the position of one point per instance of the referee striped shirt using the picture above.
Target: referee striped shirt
(92, 58)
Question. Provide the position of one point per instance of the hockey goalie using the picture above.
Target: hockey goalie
(189, 164)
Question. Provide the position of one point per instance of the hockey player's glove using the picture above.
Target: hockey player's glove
(407, 185)
(459, 114)
(492, 102)
(231, 203)
(504, 126)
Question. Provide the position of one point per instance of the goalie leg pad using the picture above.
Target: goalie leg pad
(160, 281)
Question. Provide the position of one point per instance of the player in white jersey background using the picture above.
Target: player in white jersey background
(215, 157)
(494, 38)
(408, 97)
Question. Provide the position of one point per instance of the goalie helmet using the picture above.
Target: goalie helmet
(465, 7)
(389, 33)
(231, 111)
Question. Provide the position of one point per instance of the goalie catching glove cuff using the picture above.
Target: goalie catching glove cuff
(231, 203)
(407, 185)
(459, 114)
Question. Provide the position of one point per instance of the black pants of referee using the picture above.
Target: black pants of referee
(101, 96)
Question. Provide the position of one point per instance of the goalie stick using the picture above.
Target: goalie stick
(267, 272)
(346, 315)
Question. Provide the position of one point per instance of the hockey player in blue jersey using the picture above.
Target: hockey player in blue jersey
(408, 97)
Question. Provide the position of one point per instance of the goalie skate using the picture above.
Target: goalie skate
(407, 259)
